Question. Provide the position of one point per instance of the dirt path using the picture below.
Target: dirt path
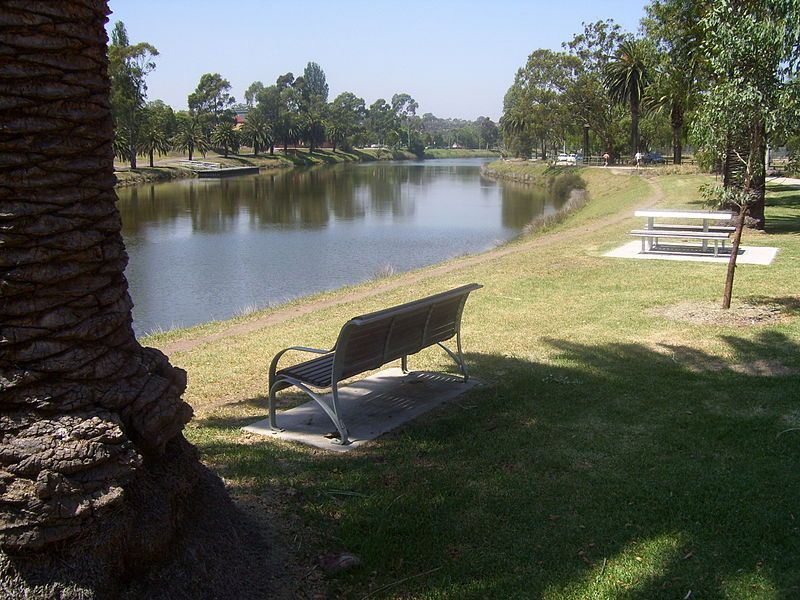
(409, 279)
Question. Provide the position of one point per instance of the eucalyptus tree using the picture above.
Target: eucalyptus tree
(346, 119)
(405, 107)
(487, 129)
(190, 135)
(212, 97)
(314, 83)
(96, 474)
(128, 67)
(586, 97)
(381, 122)
(535, 102)
(252, 92)
(626, 78)
(753, 50)
(675, 28)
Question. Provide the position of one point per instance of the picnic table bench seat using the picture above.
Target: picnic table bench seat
(370, 341)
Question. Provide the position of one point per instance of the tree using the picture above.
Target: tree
(212, 96)
(535, 104)
(225, 137)
(405, 107)
(753, 50)
(257, 131)
(488, 131)
(128, 67)
(626, 78)
(347, 113)
(674, 27)
(381, 121)
(586, 97)
(155, 137)
(190, 135)
(96, 472)
(314, 83)
(252, 92)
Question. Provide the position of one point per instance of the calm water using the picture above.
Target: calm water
(209, 249)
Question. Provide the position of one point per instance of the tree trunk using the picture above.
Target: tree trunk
(191, 149)
(272, 149)
(94, 469)
(132, 153)
(634, 126)
(676, 120)
(737, 238)
(152, 162)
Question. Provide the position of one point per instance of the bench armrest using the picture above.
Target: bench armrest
(273, 367)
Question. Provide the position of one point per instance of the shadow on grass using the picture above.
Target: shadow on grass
(619, 471)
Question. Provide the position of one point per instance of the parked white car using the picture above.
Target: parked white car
(566, 159)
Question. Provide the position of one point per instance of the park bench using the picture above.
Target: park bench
(706, 232)
(370, 341)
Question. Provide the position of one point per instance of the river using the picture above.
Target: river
(205, 249)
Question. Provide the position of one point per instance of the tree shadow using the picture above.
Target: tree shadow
(619, 470)
(784, 223)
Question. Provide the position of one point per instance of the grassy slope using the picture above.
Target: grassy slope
(610, 453)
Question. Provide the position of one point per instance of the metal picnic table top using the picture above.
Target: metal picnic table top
(685, 214)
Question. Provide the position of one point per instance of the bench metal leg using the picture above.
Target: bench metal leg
(458, 358)
(404, 364)
(333, 413)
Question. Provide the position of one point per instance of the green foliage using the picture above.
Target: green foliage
(626, 78)
(257, 130)
(155, 134)
(190, 135)
(314, 83)
(225, 137)
(252, 92)
(128, 67)
(212, 96)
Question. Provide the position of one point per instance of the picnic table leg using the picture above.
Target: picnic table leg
(705, 242)
(404, 364)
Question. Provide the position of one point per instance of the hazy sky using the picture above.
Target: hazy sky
(457, 59)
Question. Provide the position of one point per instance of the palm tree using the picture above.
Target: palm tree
(154, 139)
(626, 78)
(224, 136)
(95, 469)
(190, 136)
(256, 131)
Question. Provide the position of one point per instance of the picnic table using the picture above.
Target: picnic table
(705, 231)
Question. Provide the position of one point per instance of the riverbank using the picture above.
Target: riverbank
(612, 449)
(171, 168)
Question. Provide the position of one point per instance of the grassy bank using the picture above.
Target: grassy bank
(612, 450)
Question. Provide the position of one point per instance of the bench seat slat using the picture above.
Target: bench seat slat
(708, 235)
(665, 226)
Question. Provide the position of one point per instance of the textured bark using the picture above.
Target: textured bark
(88, 418)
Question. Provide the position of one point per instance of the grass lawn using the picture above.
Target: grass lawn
(609, 453)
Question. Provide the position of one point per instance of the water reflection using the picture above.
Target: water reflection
(203, 249)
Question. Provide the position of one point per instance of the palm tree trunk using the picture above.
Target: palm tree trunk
(152, 163)
(634, 125)
(92, 422)
(191, 149)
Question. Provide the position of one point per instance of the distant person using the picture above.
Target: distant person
(638, 156)
(606, 157)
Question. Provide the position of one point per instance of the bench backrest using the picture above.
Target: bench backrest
(369, 341)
